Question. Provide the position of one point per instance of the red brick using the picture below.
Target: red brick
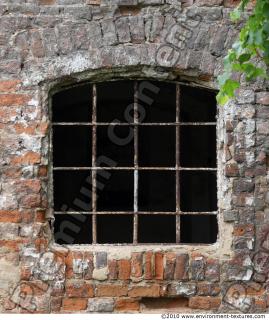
(231, 170)
(14, 99)
(244, 230)
(36, 288)
(79, 289)
(145, 291)
(30, 201)
(127, 305)
(113, 270)
(55, 304)
(148, 275)
(205, 303)
(74, 304)
(159, 268)
(29, 186)
(12, 245)
(88, 258)
(43, 171)
(137, 265)
(28, 158)
(263, 98)
(181, 269)
(46, 2)
(124, 269)
(10, 216)
(40, 216)
(170, 259)
(208, 289)
(235, 3)
(9, 85)
(111, 290)
(69, 265)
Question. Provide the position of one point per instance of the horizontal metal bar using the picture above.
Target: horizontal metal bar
(133, 168)
(198, 123)
(133, 124)
(174, 244)
(139, 212)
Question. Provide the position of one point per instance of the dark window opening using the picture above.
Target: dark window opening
(157, 228)
(108, 228)
(199, 228)
(157, 146)
(156, 190)
(134, 162)
(73, 229)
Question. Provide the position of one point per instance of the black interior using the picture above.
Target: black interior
(116, 143)
(115, 190)
(115, 228)
(198, 191)
(157, 100)
(73, 229)
(198, 146)
(72, 146)
(72, 190)
(113, 99)
(197, 105)
(157, 146)
(156, 228)
(156, 190)
(199, 228)
(73, 105)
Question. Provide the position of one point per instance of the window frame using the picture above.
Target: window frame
(177, 168)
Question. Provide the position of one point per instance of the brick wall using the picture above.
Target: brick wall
(48, 44)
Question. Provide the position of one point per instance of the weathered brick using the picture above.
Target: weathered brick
(198, 268)
(159, 267)
(113, 269)
(28, 158)
(9, 85)
(231, 170)
(212, 270)
(127, 305)
(170, 259)
(79, 289)
(204, 303)
(14, 99)
(101, 305)
(182, 266)
(124, 269)
(148, 265)
(262, 98)
(145, 291)
(74, 304)
(111, 290)
(10, 216)
(208, 289)
(137, 265)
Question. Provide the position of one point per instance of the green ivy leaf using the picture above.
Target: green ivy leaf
(252, 45)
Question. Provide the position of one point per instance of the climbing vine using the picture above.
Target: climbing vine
(249, 55)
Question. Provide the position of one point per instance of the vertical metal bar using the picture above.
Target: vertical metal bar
(135, 235)
(177, 163)
(94, 172)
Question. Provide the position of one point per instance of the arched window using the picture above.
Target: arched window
(134, 162)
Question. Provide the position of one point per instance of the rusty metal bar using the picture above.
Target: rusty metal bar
(177, 164)
(135, 231)
(139, 212)
(94, 182)
(135, 168)
(138, 124)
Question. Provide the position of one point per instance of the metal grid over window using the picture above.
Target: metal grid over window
(134, 162)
